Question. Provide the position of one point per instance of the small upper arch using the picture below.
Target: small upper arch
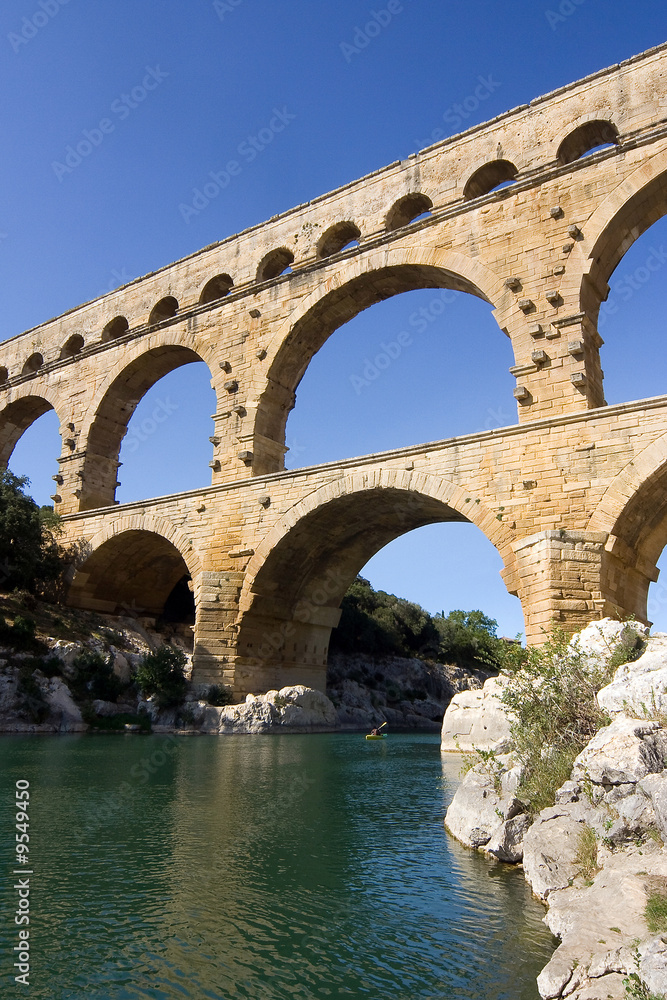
(115, 328)
(166, 308)
(488, 177)
(216, 288)
(72, 346)
(337, 238)
(33, 364)
(586, 137)
(275, 262)
(407, 209)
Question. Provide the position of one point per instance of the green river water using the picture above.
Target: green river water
(312, 866)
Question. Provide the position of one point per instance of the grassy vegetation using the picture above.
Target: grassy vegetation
(587, 853)
(656, 912)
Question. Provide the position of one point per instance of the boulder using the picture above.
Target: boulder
(640, 686)
(506, 843)
(292, 709)
(653, 965)
(121, 667)
(655, 787)
(477, 719)
(626, 751)
(61, 705)
(549, 849)
(599, 639)
(482, 803)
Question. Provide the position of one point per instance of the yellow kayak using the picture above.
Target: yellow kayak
(380, 736)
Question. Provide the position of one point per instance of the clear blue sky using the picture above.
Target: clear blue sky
(218, 70)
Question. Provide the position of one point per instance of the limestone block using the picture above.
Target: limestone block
(655, 786)
(599, 639)
(625, 751)
(478, 808)
(476, 719)
(640, 686)
(506, 843)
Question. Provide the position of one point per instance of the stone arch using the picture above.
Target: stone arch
(296, 579)
(274, 263)
(406, 209)
(165, 309)
(116, 327)
(585, 136)
(133, 564)
(216, 288)
(357, 284)
(33, 364)
(19, 414)
(624, 215)
(633, 511)
(72, 346)
(336, 238)
(115, 402)
(489, 176)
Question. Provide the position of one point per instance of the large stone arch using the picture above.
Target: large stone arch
(352, 286)
(124, 386)
(633, 511)
(621, 218)
(24, 407)
(133, 563)
(297, 577)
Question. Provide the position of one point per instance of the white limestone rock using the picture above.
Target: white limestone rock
(550, 846)
(292, 709)
(61, 705)
(477, 719)
(478, 809)
(67, 652)
(599, 639)
(655, 787)
(653, 965)
(640, 686)
(624, 752)
(506, 843)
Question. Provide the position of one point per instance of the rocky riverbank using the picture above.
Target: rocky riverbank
(597, 856)
(63, 670)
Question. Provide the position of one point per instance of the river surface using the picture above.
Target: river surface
(272, 867)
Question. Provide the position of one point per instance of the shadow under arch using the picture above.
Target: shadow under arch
(17, 416)
(133, 569)
(356, 285)
(117, 401)
(297, 578)
(633, 512)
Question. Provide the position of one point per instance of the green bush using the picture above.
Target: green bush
(32, 701)
(219, 695)
(550, 699)
(161, 674)
(93, 678)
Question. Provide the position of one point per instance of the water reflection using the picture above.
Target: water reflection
(269, 867)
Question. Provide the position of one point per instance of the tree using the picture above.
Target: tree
(468, 638)
(28, 547)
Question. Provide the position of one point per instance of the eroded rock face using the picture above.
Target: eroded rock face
(599, 639)
(641, 686)
(477, 719)
(292, 709)
(624, 752)
(482, 804)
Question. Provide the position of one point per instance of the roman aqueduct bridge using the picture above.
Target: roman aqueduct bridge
(573, 497)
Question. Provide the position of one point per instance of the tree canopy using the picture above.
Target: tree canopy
(28, 547)
(381, 624)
